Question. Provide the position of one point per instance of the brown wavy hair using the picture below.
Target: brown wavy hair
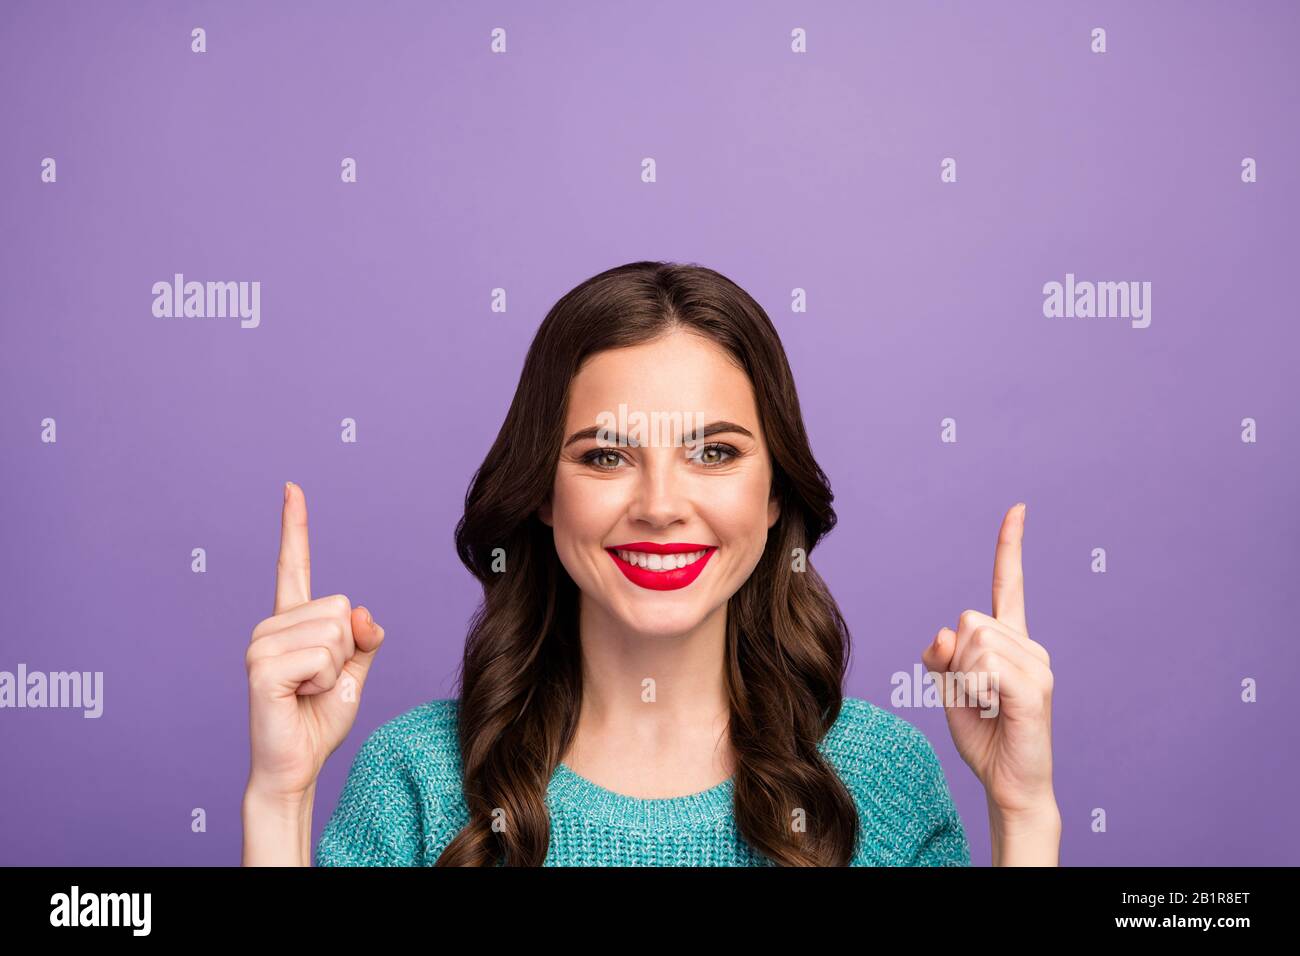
(520, 681)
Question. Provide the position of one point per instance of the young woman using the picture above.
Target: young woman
(655, 673)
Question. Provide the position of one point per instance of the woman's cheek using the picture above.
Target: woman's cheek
(739, 518)
(583, 515)
(740, 508)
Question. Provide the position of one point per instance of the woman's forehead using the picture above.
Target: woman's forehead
(682, 373)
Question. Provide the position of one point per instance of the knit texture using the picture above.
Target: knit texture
(402, 803)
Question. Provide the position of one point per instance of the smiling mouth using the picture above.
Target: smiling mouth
(661, 567)
(660, 562)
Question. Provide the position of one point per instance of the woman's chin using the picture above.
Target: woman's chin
(655, 620)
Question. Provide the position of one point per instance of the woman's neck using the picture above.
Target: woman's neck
(655, 708)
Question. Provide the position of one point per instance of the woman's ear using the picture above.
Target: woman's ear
(544, 512)
(773, 509)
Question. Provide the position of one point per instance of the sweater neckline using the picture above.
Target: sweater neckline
(575, 791)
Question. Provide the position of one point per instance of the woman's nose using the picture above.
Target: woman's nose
(659, 495)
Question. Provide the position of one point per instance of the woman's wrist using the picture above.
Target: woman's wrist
(277, 827)
(1026, 836)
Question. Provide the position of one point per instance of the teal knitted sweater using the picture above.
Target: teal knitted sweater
(402, 803)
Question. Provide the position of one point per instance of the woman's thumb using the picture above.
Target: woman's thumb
(938, 655)
(367, 635)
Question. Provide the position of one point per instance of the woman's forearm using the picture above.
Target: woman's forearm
(1026, 838)
(277, 830)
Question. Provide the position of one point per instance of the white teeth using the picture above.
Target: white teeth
(661, 562)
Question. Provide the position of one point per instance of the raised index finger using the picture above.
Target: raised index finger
(293, 570)
(1008, 572)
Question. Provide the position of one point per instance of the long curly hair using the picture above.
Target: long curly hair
(520, 686)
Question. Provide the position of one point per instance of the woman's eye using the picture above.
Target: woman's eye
(603, 458)
(710, 456)
(715, 454)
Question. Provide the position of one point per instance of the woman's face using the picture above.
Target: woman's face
(667, 488)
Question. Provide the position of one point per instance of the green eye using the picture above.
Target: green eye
(710, 456)
(709, 460)
(600, 458)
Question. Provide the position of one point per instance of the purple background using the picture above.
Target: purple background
(522, 170)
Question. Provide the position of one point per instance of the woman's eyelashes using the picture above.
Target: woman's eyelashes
(711, 455)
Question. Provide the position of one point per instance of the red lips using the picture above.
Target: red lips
(649, 547)
(661, 580)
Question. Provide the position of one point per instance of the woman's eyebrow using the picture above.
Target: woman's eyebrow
(711, 429)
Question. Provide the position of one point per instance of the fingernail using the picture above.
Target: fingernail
(286, 491)
(370, 618)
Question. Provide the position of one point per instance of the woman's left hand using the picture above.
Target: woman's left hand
(998, 699)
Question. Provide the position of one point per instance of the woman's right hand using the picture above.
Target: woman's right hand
(307, 664)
